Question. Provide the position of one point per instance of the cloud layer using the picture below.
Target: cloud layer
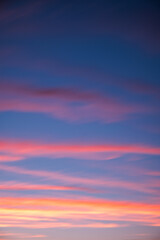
(33, 213)
(69, 104)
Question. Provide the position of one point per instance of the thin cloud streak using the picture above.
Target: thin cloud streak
(20, 235)
(84, 182)
(21, 186)
(42, 225)
(135, 171)
(32, 148)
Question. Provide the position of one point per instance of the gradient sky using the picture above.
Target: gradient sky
(79, 120)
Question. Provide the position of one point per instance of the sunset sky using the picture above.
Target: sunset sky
(79, 120)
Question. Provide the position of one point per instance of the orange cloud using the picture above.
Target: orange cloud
(54, 212)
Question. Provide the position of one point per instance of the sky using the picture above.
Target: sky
(79, 120)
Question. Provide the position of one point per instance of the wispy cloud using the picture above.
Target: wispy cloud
(74, 150)
(68, 103)
(19, 235)
(143, 88)
(32, 213)
(10, 158)
(21, 186)
(135, 170)
(89, 184)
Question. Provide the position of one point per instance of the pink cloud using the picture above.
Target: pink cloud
(10, 158)
(135, 171)
(68, 103)
(84, 182)
(20, 235)
(18, 186)
(32, 148)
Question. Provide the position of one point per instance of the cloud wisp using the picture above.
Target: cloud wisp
(23, 148)
(24, 186)
(56, 212)
(68, 104)
(84, 183)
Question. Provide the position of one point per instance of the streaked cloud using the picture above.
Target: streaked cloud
(26, 148)
(68, 103)
(19, 235)
(77, 212)
(21, 186)
(86, 182)
(9, 158)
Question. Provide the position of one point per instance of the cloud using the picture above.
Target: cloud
(89, 112)
(68, 103)
(10, 158)
(134, 170)
(23, 186)
(141, 87)
(23, 148)
(56, 212)
(19, 236)
(89, 184)
(58, 68)
(70, 94)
